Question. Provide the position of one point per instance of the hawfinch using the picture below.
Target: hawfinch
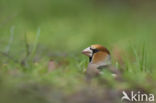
(99, 58)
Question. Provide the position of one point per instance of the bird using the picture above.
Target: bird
(99, 59)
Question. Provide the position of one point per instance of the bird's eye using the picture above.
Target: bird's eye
(95, 50)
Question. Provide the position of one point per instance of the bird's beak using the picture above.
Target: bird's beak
(87, 52)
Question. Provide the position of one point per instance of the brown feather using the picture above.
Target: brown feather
(100, 56)
(100, 47)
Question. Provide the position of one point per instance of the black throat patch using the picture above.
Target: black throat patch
(90, 59)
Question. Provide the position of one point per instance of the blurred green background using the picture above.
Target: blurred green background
(41, 43)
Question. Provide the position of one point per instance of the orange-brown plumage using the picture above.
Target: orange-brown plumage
(100, 47)
(99, 58)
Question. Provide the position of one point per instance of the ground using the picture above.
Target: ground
(41, 44)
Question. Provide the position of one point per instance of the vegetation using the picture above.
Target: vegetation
(41, 43)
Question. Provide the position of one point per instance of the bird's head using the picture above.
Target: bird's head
(98, 55)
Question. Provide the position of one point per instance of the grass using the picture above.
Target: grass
(37, 35)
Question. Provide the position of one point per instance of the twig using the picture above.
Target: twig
(35, 43)
(6, 51)
(24, 62)
(10, 40)
(36, 40)
(27, 46)
(30, 53)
